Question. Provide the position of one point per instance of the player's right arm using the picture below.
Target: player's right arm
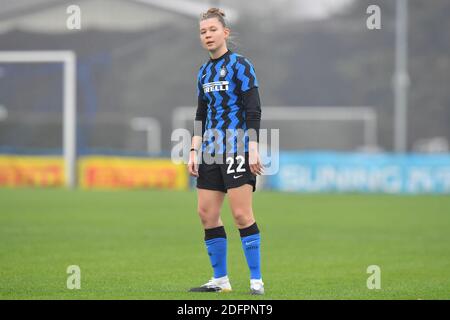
(200, 115)
(196, 144)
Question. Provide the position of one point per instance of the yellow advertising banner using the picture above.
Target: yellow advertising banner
(127, 173)
(94, 172)
(27, 171)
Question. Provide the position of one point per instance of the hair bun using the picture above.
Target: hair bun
(215, 11)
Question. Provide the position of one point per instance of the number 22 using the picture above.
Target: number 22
(239, 168)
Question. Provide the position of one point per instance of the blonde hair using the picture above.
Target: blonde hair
(214, 13)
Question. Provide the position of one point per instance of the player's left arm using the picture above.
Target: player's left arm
(252, 105)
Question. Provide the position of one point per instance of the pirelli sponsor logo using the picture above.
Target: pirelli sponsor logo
(101, 172)
(216, 86)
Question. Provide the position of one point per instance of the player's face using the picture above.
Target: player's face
(212, 34)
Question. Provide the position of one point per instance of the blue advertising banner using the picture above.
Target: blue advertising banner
(355, 172)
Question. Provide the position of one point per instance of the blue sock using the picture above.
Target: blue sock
(216, 245)
(251, 242)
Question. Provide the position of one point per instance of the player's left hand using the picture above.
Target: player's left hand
(254, 160)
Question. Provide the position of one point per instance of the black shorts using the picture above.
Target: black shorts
(233, 172)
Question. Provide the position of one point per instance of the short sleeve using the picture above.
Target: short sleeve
(246, 76)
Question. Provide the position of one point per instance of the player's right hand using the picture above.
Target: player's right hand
(193, 164)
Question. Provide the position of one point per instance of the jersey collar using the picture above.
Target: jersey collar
(221, 57)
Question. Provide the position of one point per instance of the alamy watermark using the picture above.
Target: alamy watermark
(373, 22)
(217, 143)
(374, 280)
(74, 278)
(73, 21)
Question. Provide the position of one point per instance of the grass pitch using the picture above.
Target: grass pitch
(149, 245)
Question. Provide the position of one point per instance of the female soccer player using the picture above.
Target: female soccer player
(228, 102)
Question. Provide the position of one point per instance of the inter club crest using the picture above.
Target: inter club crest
(223, 72)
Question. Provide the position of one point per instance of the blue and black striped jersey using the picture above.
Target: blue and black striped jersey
(221, 85)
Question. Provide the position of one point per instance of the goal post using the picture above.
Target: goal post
(68, 59)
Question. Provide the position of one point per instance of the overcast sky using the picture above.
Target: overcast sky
(302, 9)
(319, 8)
